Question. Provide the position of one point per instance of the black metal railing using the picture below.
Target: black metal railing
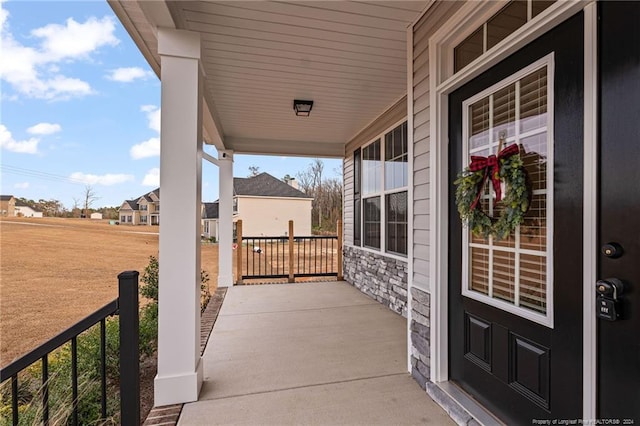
(316, 256)
(269, 257)
(126, 306)
(265, 257)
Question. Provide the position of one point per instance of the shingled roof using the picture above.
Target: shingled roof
(6, 197)
(265, 185)
(134, 203)
(211, 210)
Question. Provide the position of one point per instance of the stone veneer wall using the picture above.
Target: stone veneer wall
(420, 335)
(379, 277)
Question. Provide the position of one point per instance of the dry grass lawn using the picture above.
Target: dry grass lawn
(54, 272)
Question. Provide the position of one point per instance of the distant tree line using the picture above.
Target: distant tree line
(54, 208)
(326, 193)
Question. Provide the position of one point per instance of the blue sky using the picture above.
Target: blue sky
(80, 106)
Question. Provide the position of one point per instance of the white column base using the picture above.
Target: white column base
(177, 389)
(225, 281)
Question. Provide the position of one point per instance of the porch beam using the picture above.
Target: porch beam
(225, 222)
(179, 377)
(286, 147)
(210, 158)
(214, 133)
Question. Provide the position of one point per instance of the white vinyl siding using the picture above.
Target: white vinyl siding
(421, 189)
(347, 196)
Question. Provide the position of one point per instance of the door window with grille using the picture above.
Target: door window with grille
(514, 274)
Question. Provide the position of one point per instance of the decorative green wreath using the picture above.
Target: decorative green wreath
(506, 167)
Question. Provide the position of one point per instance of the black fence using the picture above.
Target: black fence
(288, 256)
(264, 257)
(126, 306)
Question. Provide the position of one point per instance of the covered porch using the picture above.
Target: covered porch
(231, 73)
(308, 353)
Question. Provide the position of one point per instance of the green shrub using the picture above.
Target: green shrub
(59, 383)
(149, 288)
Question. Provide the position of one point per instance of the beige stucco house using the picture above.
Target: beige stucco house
(265, 205)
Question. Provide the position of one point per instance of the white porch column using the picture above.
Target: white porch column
(225, 221)
(179, 368)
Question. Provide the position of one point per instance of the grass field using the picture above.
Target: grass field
(54, 272)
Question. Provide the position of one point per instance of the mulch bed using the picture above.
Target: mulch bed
(168, 415)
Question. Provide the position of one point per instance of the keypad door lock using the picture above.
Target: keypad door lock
(608, 306)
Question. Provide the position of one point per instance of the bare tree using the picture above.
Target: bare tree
(76, 207)
(89, 196)
(254, 171)
(326, 193)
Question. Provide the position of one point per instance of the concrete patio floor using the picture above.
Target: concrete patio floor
(308, 353)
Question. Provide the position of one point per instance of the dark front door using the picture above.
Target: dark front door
(515, 310)
(619, 212)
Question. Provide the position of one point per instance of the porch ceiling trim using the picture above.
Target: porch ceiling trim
(349, 57)
(285, 147)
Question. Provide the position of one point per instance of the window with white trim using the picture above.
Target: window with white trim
(514, 274)
(507, 20)
(381, 193)
(357, 185)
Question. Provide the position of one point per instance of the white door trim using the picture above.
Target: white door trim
(590, 219)
(444, 82)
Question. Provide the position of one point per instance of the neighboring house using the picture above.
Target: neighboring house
(7, 205)
(24, 210)
(144, 210)
(11, 207)
(405, 93)
(265, 205)
(96, 215)
(210, 219)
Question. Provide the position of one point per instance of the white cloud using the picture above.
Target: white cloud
(76, 40)
(152, 178)
(148, 148)
(29, 146)
(33, 71)
(127, 75)
(106, 180)
(21, 185)
(153, 116)
(44, 129)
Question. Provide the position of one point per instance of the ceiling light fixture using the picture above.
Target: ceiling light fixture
(302, 108)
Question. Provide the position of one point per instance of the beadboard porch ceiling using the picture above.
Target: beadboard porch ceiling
(348, 57)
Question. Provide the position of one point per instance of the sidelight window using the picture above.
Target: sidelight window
(515, 273)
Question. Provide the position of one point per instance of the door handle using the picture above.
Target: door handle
(607, 304)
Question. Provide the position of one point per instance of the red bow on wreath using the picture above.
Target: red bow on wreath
(491, 166)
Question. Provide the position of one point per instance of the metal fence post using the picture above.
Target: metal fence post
(291, 271)
(129, 348)
(239, 252)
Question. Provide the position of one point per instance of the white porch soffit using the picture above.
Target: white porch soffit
(348, 57)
